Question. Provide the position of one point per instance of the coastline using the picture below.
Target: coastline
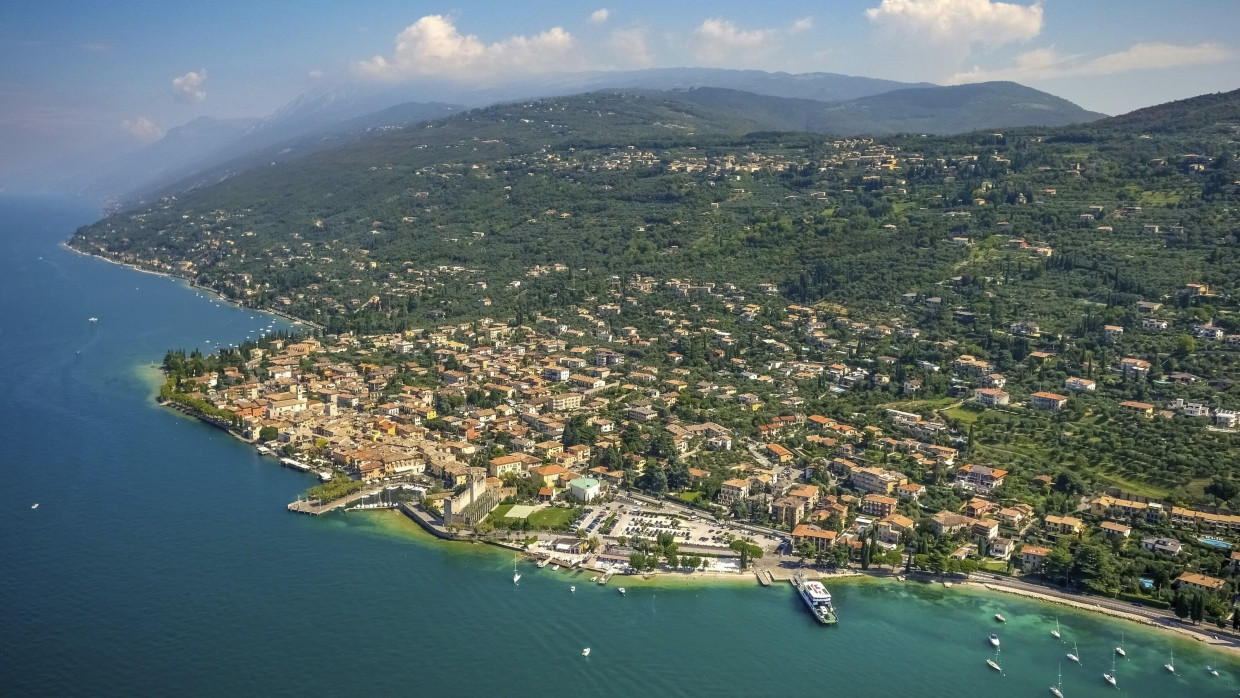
(190, 284)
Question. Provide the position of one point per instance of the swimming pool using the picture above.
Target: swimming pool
(1213, 543)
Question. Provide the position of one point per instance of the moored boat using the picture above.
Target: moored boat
(817, 598)
(999, 617)
(994, 639)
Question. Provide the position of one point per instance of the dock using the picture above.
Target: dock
(764, 577)
(315, 508)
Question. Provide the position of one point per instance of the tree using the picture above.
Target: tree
(893, 557)
(637, 561)
(1223, 488)
(747, 551)
(268, 434)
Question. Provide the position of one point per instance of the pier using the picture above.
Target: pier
(315, 508)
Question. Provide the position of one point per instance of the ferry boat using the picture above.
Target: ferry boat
(818, 599)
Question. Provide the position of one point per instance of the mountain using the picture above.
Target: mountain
(154, 162)
(1217, 112)
(932, 110)
(287, 135)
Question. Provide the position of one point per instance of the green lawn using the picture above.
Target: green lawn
(550, 517)
(689, 496)
(501, 511)
(965, 416)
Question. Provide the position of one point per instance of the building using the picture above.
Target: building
(947, 523)
(879, 505)
(1166, 546)
(789, 510)
(991, 397)
(584, 489)
(979, 477)
(1063, 525)
(1032, 557)
(1142, 408)
(1110, 529)
(820, 539)
(877, 480)
(1203, 582)
(1077, 385)
(732, 490)
(1048, 401)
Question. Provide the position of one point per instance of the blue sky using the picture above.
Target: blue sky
(99, 77)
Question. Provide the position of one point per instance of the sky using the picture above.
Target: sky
(91, 79)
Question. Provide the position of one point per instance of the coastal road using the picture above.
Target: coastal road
(1211, 634)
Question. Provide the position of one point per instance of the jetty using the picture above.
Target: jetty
(315, 507)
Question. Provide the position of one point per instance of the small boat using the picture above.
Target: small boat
(555, 567)
(35, 505)
(1120, 650)
(994, 639)
(1110, 678)
(572, 590)
(1212, 670)
(1073, 654)
(999, 617)
(622, 591)
(594, 579)
(585, 652)
(516, 576)
(1055, 632)
(1057, 689)
(994, 663)
(1170, 665)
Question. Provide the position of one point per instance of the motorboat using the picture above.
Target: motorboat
(572, 590)
(999, 617)
(622, 591)
(994, 639)
(585, 652)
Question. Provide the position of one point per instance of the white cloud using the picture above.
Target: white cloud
(802, 25)
(143, 128)
(1049, 64)
(432, 47)
(631, 47)
(599, 16)
(718, 40)
(315, 74)
(968, 21)
(189, 87)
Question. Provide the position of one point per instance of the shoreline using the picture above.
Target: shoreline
(191, 284)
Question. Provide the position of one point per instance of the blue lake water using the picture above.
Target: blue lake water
(161, 559)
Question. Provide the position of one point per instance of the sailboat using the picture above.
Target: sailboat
(1073, 655)
(999, 617)
(516, 576)
(1110, 678)
(1120, 650)
(994, 663)
(34, 506)
(1212, 670)
(1055, 632)
(1057, 689)
(1170, 665)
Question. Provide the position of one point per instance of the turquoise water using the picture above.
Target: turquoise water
(1216, 543)
(161, 561)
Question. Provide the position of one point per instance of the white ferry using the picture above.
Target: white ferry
(818, 599)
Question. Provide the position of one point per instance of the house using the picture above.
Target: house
(991, 397)
(548, 475)
(1166, 546)
(979, 477)
(1110, 529)
(1193, 580)
(779, 453)
(1048, 401)
(978, 507)
(876, 480)
(1032, 557)
(946, 522)
(1112, 332)
(821, 540)
(984, 530)
(1001, 548)
(1151, 324)
(1063, 525)
(789, 510)
(1079, 384)
(910, 490)
(1137, 368)
(732, 490)
(892, 528)
(1143, 408)
(879, 505)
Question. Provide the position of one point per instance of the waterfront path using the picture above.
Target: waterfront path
(314, 507)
